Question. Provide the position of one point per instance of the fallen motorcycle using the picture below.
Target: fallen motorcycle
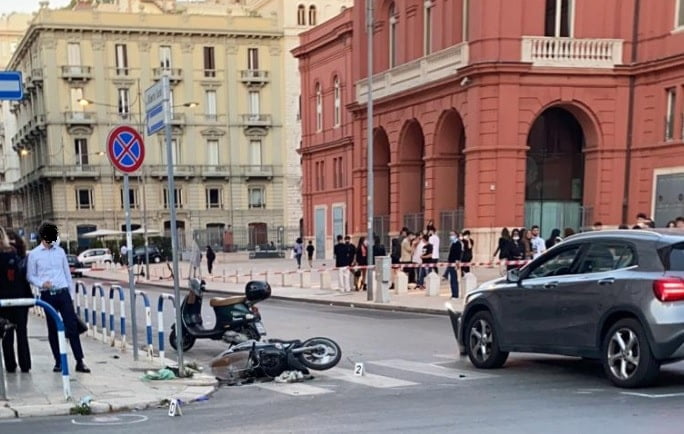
(251, 360)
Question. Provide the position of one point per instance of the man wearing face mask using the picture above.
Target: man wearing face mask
(48, 269)
(455, 253)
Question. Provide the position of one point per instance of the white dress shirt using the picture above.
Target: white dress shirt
(49, 264)
(434, 240)
(538, 247)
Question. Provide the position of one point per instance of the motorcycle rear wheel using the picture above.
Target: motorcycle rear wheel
(188, 340)
(320, 360)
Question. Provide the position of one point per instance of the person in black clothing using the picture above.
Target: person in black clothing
(13, 284)
(310, 252)
(378, 249)
(455, 254)
(504, 241)
(426, 257)
(342, 263)
(468, 244)
(211, 257)
(361, 261)
(516, 250)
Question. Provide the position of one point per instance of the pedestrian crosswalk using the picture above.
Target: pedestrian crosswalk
(415, 374)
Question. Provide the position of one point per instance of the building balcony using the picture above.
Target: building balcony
(254, 77)
(77, 73)
(37, 76)
(179, 171)
(79, 118)
(257, 171)
(436, 66)
(81, 171)
(178, 119)
(256, 120)
(215, 172)
(175, 74)
(571, 52)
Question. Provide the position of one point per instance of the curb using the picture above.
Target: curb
(360, 305)
(197, 389)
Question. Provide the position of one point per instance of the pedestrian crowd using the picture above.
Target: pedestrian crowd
(45, 267)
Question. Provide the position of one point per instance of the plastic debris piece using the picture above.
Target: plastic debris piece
(162, 374)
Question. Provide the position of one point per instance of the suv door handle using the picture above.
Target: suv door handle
(607, 281)
(553, 284)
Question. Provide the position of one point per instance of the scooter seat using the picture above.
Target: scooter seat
(226, 301)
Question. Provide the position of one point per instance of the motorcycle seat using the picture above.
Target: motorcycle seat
(226, 301)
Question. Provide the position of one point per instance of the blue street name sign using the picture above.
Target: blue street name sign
(11, 87)
(154, 108)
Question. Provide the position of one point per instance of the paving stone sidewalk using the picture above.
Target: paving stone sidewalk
(115, 383)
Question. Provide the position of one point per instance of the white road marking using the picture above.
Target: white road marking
(294, 389)
(371, 380)
(652, 395)
(430, 369)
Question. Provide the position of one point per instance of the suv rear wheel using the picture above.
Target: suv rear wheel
(627, 358)
(482, 342)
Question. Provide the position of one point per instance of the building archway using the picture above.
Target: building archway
(411, 197)
(449, 172)
(381, 185)
(554, 176)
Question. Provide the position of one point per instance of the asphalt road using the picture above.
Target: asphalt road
(415, 382)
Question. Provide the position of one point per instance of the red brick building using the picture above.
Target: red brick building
(491, 114)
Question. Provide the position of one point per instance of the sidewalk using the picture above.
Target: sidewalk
(414, 301)
(114, 385)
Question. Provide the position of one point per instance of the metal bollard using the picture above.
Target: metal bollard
(432, 285)
(103, 313)
(148, 320)
(401, 283)
(304, 279)
(122, 316)
(324, 277)
(160, 322)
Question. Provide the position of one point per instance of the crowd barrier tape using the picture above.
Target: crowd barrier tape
(148, 320)
(97, 287)
(64, 361)
(122, 316)
(84, 291)
(160, 322)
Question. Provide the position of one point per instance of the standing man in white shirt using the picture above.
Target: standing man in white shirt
(48, 269)
(434, 240)
(537, 242)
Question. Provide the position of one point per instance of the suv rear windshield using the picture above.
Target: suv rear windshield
(675, 258)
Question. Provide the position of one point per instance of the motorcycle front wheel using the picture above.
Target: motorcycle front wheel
(325, 357)
(188, 340)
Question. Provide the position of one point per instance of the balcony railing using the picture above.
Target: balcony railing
(71, 172)
(571, 52)
(254, 76)
(76, 73)
(175, 74)
(256, 120)
(37, 75)
(257, 171)
(215, 171)
(79, 118)
(416, 73)
(177, 118)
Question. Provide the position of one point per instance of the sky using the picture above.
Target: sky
(7, 6)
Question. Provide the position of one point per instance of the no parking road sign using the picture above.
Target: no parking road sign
(125, 149)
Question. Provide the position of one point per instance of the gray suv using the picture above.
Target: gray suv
(617, 296)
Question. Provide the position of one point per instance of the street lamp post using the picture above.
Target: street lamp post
(370, 180)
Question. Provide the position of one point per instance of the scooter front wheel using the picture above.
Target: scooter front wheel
(326, 354)
(188, 340)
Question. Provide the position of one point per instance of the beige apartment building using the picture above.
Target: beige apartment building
(12, 28)
(235, 159)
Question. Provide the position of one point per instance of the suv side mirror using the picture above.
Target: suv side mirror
(513, 276)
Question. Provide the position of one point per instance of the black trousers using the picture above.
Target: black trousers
(63, 304)
(19, 317)
(210, 265)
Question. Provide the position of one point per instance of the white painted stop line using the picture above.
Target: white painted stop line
(294, 389)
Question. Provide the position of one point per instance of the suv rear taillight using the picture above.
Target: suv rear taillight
(669, 289)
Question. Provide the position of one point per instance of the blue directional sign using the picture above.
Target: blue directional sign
(154, 108)
(11, 86)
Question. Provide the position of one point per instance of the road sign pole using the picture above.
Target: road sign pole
(131, 278)
(370, 23)
(174, 232)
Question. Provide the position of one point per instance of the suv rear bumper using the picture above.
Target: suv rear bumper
(668, 341)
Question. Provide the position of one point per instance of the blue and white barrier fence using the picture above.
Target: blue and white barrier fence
(148, 320)
(66, 387)
(160, 322)
(81, 289)
(97, 287)
(122, 316)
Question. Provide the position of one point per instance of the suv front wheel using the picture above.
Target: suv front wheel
(627, 358)
(482, 342)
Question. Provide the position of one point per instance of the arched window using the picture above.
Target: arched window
(312, 15)
(558, 21)
(337, 108)
(319, 108)
(393, 20)
(301, 15)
